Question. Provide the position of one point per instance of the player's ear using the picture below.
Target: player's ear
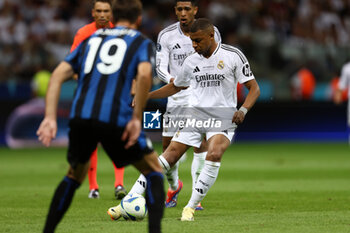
(139, 21)
(93, 13)
(195, 10)
(212, 35)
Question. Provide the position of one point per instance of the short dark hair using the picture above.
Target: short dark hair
(194, 2)
(106, 1)
(202, 24)
(128, 10)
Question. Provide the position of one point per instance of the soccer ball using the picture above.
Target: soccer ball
(133, 207)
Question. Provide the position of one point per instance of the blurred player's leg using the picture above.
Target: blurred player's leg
(150, 167)
(119, 190)
(63, 196)
(92, 174)
(154, 198)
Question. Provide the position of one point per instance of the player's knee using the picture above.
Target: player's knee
(78, 173)
(171, 157)
(214, 155)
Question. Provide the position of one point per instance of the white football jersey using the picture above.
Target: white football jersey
(173, 46)
(213, 80)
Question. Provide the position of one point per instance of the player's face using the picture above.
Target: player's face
(185, 13)
(202, 41)
(102, 14)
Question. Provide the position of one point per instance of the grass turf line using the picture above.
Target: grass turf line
(261, 188)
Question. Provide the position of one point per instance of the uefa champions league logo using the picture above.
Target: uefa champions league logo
(151, 120)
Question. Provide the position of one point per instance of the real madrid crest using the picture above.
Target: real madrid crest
(221, 65)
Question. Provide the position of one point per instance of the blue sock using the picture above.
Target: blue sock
(155, 197)
(60, 202)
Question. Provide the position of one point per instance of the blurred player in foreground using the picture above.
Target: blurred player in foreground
(344, 84)
(102, 14)
(106, 64)
(212, 73)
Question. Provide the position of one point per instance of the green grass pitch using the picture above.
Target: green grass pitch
(272, 188)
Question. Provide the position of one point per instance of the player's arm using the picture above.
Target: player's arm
(253, 94)
(162, 59)
(48, 127)
(180, 83)
(144, 83)
(165, 91)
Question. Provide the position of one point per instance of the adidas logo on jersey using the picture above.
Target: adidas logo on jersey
(196, 70)
(177, 46)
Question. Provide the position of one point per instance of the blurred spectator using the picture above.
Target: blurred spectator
(40, 82)
(274, 34)
(303, 84)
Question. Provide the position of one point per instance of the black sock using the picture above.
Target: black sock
(155, 201)
(60, 202)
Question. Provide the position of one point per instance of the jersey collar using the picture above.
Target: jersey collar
(215, 51)
(179, 28)
(217, 48)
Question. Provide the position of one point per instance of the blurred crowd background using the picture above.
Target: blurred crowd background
(296, 47)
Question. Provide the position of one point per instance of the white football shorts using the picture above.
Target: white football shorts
(173, 113)
(194, 138)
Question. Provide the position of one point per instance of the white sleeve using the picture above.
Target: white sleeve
(243, 71)
(162, 59)
(344, 77)
(184, 78)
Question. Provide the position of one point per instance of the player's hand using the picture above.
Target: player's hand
(132, 132)
(238, 117)
(47, 131)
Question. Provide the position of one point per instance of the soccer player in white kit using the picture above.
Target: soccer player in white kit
(212, 73)
(173, 46)
(344, 83)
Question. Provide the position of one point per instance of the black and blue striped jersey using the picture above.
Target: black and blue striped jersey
(106, 64)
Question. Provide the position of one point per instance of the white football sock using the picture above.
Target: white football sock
(140, 185)
(183, 158)
(197, 166)
(172, 174)
(205, 180)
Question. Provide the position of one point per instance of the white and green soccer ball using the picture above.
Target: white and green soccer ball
(133, 207)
